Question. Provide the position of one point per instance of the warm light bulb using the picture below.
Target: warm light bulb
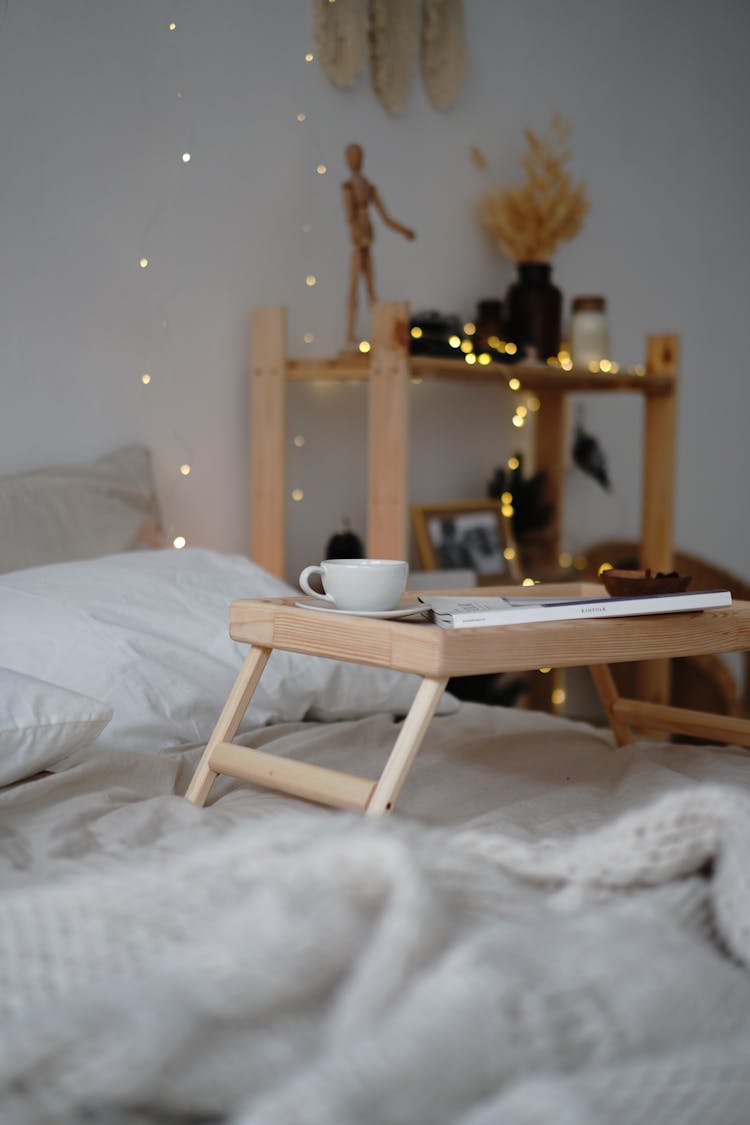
(545, 671)
(605, 365)
(558, 697)
(364, 346)
(186, 158)
(301, 116)
(416, 333)
(485, 358)
(507, 510)
(299, 440)
(518, 421)
(521, 411)
(511, 348)
(564, 559)
(309, 56)
(528, 582)
(308, 337)
(172, 26)
(321, 169)
(509, 553)
(145, 379)
(179, 542)
(470, 328)
(185, 470)
(470, 358)
(297, 494)
(514, 384)
(533, 403)
(311, 279)
(506, 498)
(143, 262)
(513, 462)
(466, 346)
(454, 341)
(603, 567)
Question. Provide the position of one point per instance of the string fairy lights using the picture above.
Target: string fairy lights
(183, 464)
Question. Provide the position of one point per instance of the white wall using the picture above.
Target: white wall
(93, 127)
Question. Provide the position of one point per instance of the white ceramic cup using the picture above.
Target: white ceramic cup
(360, 585)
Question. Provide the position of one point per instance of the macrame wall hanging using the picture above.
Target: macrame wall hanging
(398, 36)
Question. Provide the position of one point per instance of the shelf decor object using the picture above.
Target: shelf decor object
(528, 221)
(535, 311)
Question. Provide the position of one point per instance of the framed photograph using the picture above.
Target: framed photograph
(466, 534)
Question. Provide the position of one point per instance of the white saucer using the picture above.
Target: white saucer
(409, 609)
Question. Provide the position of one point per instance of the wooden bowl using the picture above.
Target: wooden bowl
(633, 583)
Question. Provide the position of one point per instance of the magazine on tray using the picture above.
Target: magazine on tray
(473, 612)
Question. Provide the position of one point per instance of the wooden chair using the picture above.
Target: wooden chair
(704, 683)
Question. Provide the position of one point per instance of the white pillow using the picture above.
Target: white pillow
(147, 633)
(41, 723)
(79, 512)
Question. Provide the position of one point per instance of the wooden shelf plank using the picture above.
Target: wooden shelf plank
(533, 377)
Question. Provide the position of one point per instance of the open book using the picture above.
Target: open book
(470, 613)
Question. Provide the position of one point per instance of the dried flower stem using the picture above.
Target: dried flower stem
(529, 221)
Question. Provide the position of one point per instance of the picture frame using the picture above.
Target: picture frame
(467, 534)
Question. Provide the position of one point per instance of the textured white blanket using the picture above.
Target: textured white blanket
(264, 962)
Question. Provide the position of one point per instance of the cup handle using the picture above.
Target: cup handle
(304, 581)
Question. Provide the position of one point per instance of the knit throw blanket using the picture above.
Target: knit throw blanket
(328, 970)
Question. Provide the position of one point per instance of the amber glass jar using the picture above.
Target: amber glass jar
(535, 311)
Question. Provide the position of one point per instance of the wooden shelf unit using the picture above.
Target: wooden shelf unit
(388, 369)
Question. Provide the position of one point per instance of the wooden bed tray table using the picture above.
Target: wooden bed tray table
(418, 646)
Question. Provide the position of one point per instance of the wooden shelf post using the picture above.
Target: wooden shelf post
(551, 434)
(268, 439)
(388, 432)
(659, 436)
(660, 426)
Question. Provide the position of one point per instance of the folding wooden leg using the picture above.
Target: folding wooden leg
(229, 720)
(609, 695)
(405, 749)
(302, 779)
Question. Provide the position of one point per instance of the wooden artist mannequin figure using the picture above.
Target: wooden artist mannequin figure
(359, 193)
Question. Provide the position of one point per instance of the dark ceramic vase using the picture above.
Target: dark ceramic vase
(535, 310)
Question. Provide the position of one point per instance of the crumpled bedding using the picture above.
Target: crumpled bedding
(547, 929)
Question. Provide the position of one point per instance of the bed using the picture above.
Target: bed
(547, 928)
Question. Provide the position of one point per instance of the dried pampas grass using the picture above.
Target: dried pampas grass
(340, 32)
(529, 221)
(394, 47)
(347, 31)
(444, 57)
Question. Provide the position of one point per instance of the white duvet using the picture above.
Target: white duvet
(547, 930)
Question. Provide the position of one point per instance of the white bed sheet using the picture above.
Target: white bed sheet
(547, 929)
